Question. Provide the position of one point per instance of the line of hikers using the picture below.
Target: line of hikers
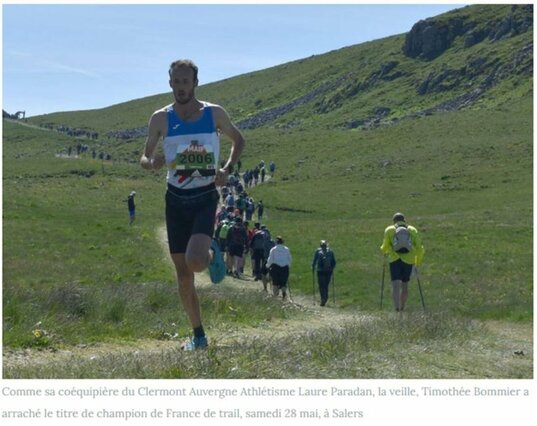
(271, 259)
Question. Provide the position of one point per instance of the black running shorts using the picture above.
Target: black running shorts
(189, 212)
(400, 271)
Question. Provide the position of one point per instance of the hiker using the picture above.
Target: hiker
(272, 168)
(278, 263)
(190, 130)
(324, 261)
(131, 206)
(237, 240)
(221, 214)
(403, 248)
(221, 232)
(250, 208)
(257, 244)
(260, 210)
(263, 172)
(242, 260)
(230, 200)
(241, 204)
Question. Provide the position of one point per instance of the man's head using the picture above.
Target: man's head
(279, 240)
(183, 80)
(324, 245)
(398, 217)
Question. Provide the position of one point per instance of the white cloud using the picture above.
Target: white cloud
(20, 62)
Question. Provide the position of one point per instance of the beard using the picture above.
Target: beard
(184, 98)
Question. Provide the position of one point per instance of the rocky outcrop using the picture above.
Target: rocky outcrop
(484, 75)
(429, 38)
(351, 87)
(267, 116)
(490, 71)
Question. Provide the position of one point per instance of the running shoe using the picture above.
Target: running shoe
(217, 267)
(196, 343)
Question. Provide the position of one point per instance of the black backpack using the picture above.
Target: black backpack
(238, 235)
(325, 259)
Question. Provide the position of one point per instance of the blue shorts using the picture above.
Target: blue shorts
(400, 271)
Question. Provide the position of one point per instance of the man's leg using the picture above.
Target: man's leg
(198, 256)
(323, 287)
(396, 294)
(187, 291)
(196, 259)
(404, 294)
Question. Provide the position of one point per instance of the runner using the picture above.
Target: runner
(190, 131)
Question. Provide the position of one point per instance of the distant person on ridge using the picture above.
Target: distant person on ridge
(403, 248)
(324, 261)
(131, 206)
(190, 130)
(272, 168)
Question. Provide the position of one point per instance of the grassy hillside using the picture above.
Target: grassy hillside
(75, 273)
(354, 83)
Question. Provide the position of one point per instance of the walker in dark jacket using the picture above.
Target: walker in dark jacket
(325, 262)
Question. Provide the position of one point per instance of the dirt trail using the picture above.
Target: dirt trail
(315, 318)
(311, 318)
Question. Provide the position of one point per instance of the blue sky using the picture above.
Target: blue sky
(69, 57)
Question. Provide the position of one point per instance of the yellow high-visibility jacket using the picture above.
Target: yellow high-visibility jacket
(414, 256)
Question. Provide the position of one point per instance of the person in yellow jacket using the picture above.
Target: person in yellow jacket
(403, 248)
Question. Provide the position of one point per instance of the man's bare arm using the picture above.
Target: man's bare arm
(224, 124)
(148, 160)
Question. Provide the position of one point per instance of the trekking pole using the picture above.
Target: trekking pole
(382, 282)
(313, 283)
(289, 291)
(419, 287)
(333, 289)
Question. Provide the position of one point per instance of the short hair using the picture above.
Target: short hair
(398, 217)
(279, 240)
(184, 63)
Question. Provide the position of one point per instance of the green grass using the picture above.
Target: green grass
(385, 347)
(76, 274)
(473, 208)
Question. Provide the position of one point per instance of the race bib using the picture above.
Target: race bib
(194, 156)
